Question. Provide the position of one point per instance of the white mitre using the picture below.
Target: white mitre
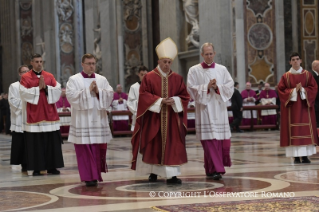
(166, 49)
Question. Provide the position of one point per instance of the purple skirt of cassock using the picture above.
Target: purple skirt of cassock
(91, 160)
(248, 121)
(269, 120)
(216, 155)
(120, 125)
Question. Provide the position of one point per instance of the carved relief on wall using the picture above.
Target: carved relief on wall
(26, 26)
(26, 31)
(132, 14)
(260, 44)
(132, 40)
(191, 16)
(259, 36)
(97, 52)
(26, 52)
(66, 38)
(67, 71)
(65, 13)
(259, 7)
(309, 32)
(42, 44)
(64, 9)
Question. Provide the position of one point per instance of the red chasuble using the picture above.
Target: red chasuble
(43, 111)
(160, 137)
(298, 120)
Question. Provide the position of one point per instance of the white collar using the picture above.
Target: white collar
(316, 72)
(293, 71)
(162, 72)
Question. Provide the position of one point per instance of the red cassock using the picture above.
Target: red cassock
(298, 120)
(43, 111)
(160, 137)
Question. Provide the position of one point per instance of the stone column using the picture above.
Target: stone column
(215, 23)
(170, 17)
(10, 61)
(240, 44)
(280, 39)
(107, 10)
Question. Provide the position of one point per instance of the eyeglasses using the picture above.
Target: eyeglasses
(23, 72)
(93, 64)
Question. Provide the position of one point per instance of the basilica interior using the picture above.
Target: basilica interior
(252, 39)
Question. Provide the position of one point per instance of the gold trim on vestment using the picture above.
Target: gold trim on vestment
(299, 125)
(297, 137)
(164, 116)
(289, 122)
(158, 209)
(43, 122)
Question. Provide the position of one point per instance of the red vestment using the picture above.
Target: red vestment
(298, 120)
(43, 111)
(160, 137)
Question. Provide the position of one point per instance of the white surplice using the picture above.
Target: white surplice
(191, 116)
(246, 113)
(211, 108)
(119, 107)
(132, 102)
(15, 103)
(65, 120)
(31, 95)
(265, 101)
(89, 120)
(163, 171)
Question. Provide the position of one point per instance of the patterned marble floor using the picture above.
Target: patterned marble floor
(259, 165)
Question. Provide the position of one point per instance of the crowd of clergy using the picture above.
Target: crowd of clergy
(159, 102)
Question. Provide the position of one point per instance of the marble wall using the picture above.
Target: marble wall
(309, 32)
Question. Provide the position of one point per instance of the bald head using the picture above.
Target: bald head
(315, 65)
(267, 86)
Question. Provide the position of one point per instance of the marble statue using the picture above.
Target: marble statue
(191, 16)
(64, 9)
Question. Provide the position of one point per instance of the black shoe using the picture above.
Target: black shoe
(305, 160)
(53, 171)
(37, 173)
(209, 174)
(297, 160)
(239, 131)
(217, 176)
(174, 180)
(91, 183)
(152, 178)
(23, 168)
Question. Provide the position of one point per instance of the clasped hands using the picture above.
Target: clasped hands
(168, 101)
(212, 84)
(93, 87)
(42, 84)
(298, 87)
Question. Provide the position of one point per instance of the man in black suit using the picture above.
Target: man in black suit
(315, 74)
(258, 91)
(237, 108)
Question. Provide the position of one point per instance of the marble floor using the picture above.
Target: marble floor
(259, 165)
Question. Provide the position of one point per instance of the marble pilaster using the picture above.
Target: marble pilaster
(170, 18)
(240, 44)
(280, 39)
(107, 10)
(215, 23)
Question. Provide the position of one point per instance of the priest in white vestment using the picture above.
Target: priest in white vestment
(90, 95)
(268, 97)
(249, 99)
(120, 123)
(211, 86)
(133, 95)
(18, 154)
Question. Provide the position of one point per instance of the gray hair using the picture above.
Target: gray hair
(206, 45)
